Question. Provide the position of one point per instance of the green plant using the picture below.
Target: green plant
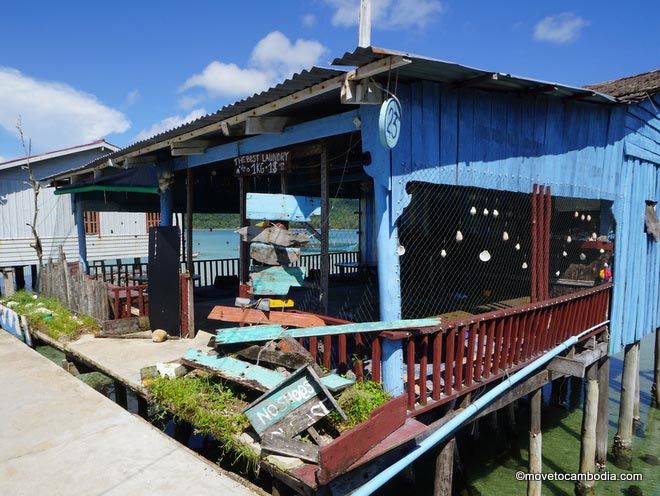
(358, 401)
(211, 407)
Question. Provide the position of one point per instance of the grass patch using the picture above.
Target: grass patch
(358, 401)
(49, 315)
(211, 408)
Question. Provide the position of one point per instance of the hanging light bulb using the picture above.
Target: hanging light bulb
(459, 236)
(583, 256)
(564, 253)
(484, 256)
(485, 211)
(569, 239)
(588, 218)
(524, 265)
(577, 214)
(443, 253)
(505, 236)
(473, 211)
(495, 213)
(517, 246)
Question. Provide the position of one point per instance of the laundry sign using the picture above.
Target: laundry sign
(261, 164)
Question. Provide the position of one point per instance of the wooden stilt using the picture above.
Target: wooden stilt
(190, 182)
(622, 448)
(244, 256)
(20, 277)
(602, 424)
(535, 442)
(637, 421)
(588, 439)
(325, 231)
(655, 389)
(444, 469)
(120, 395)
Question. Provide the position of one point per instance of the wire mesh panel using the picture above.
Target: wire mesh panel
(467, 250)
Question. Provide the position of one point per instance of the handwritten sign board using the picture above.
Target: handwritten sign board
(261, 164)
(304, 391)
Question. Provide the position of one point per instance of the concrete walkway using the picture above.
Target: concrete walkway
(60, 437)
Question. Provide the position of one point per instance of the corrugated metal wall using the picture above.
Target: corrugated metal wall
(509, 142)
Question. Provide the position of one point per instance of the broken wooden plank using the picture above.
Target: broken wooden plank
(272, 236)
(274, 255)
(270, 355)
(338, 456)
(266, 333)
(289, 208)
(302, 387)
(276, 281)
(256, 316)
(282, 445)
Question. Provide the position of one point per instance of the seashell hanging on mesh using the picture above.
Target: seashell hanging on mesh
(495, 213)
(577, 214)
(524, 265)
(484, 256)
(473, 211)
(588, 218)
(583, 256)
(505, 236)
(459, 236)
(602, 251)
(443, 253)
(569, 239)
(564, 254)
(485, 212)
(582, 217)
(557, 273)
(400, 250)
(594, 236)
(517, 246)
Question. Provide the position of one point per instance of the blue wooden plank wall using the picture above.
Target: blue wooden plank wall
(509, 142)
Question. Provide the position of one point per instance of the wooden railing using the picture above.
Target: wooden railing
(450, 359)
(129, 299)
(118, 273)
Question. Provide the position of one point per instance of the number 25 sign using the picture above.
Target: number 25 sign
(389, 123)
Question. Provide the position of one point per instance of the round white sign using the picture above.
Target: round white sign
(389, 123)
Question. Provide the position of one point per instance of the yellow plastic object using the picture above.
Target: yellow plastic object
(281, 303)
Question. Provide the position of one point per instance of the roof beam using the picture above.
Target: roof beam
(365, 71)
(190, 147)
(541, 89)
(579, 96)
(266, 124)
(491, 76)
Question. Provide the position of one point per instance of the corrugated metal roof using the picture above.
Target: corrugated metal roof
(297, 82)
(425, 68)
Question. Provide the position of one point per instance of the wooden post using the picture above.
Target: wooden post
(8, 281)
(655, 389)
(637, 421)
(602, 424)
(325, 231)
(189, 220)
(34, 277)
(243, 264)
(20, 277)
(444, 469)
(588, 439)
(120, 395)
(622, 448)
(535, 442)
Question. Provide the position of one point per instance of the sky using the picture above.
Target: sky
(124, 70)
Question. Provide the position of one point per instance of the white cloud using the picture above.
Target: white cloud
(309, 20)
(387, 14)
(169, 123)
(187, 102)
(54, 115)
(131, 98)
(273, 58)
(562, 28)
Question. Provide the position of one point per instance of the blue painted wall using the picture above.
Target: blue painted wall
(509, 142)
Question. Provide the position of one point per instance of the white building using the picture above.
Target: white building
(109, 235)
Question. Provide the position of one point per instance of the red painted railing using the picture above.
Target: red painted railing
(455, 357)
(125, 298)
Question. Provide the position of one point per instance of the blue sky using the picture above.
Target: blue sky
(76, 71)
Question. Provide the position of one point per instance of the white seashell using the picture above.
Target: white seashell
(517, 246)
(564, 253)
(505, 236)
(589, 217)
(582, 217)
(495, 213)
(400, 250)
(602, 250)
(524, 265)
(606, 264)
(473, 211)
(557, 273)
(577, 214)
(459, 236)
(583, 256)
(569, 239)
(594, 236)
(484, 256)
(443, 253)
(485, 211)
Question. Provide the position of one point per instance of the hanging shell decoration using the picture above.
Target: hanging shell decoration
(486, 211)
(583, 256)
(564, 253)
(524, 265)
(589, 218)
(517, 246)
(557, 273)
(577, 214)
(400, 250)
(495, 213)
(459, 236)
(505, 236)
(582, 217)
(443, 253)
(569, 239)
(473, 211)
(594, 236)
(484, 256)
(602, 251)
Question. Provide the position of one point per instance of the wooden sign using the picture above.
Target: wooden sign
(288, 208)
(261, 164)
(294, 405)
